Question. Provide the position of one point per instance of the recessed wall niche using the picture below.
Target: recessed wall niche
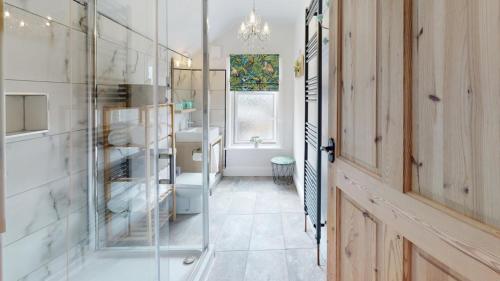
(26, 113)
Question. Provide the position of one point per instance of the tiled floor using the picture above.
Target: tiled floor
(258, 229)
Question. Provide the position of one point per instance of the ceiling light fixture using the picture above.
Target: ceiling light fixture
(252, 31)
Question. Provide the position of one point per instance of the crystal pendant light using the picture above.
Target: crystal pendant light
(252, 31)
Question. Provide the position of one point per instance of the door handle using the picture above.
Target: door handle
(330, 149)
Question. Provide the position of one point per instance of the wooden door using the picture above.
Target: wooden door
(415, 192)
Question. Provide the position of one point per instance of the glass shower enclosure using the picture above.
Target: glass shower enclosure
(90, 144)
(134, 190)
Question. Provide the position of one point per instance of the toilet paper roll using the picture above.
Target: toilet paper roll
(197, 155)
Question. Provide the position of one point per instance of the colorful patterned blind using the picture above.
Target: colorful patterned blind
(254, 72)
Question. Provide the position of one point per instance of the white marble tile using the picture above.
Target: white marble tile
(30, 211)
(79, 59)
(111, 31)
(79, 110)
(34, 251)
(217, 80)
(266, 265)
(79, 190)
(34, 51)
(136, 67)
(235, 234)
(301, 264)
(228, 266)
(138, 16)
(36, 162)
(54, 270)
(77, 227)
(79, 16)
(59, 100)
(57, 10)
(197, 80)
(79, 150)
(182, 80)
(111, 63)
(267, 233)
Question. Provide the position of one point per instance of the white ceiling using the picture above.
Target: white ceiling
(184, 22)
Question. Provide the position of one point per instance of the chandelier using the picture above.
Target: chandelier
(252, 31)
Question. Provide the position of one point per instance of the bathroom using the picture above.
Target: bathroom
(120, 139)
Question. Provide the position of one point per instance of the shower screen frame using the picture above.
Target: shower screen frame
(93, 137)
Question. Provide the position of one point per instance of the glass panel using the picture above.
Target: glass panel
(91, 164)
(254, 117)
(46, 150)
(456, 130)
(124, 139)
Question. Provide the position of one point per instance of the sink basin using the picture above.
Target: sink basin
(195, 134)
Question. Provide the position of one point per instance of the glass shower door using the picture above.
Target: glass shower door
(132, 192)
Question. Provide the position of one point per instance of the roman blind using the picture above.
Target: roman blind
(254, 72)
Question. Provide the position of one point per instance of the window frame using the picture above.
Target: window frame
(234, 109)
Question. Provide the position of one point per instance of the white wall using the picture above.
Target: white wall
(299, 108)
(251, 161)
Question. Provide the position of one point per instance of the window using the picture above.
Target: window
(254, 116)
(254, 88)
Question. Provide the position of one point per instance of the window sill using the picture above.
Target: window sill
(251, 147)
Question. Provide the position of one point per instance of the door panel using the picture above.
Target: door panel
(456, 86)
(389, 253)
(419, 197)
(359, 95)
(426, 268)
(358, 243)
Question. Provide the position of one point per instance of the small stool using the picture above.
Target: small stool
(283, 168)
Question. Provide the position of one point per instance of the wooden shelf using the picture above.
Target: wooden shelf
(145, 234)
(190, 110)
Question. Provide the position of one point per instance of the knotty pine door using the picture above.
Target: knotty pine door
(415, 192)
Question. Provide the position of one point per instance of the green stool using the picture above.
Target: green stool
(283, 168)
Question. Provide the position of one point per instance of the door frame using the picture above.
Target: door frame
(468, 247)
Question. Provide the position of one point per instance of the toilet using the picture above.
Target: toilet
(188, 190)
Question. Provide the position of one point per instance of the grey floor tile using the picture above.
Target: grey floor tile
(290, 202)
(216, 224)
(235, 234)
(229, 266)
(242, 203)
(293, 230)
(267, 233)
(220, 203)
(301, 264)
(267, 203)
(266, 266)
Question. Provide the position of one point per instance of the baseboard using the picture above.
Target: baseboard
(248, 172)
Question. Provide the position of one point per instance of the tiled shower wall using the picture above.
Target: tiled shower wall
(46, 191)
(45, 51)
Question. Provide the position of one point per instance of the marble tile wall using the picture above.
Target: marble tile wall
(46, 52)
(46, 193)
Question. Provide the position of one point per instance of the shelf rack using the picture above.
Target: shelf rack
(119, 172)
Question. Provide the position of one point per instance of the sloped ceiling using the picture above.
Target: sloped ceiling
(185, 16)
